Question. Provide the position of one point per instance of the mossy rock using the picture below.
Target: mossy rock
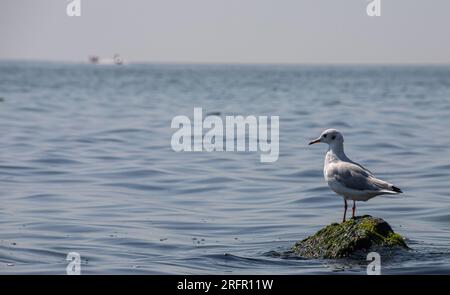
(339, 240)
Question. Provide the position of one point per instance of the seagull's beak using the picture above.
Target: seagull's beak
(314, 141)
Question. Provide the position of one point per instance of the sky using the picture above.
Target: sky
(228, 31)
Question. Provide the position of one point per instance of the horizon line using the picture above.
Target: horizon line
(268, 63)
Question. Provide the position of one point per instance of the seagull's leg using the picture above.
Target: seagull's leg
(345, 209)
(353, 209)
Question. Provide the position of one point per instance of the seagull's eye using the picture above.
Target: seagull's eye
(333, 137)
(325, 136)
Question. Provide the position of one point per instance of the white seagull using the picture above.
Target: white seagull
(347, 178)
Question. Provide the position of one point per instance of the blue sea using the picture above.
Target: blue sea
(86, 166)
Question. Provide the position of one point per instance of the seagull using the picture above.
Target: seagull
(347, 178)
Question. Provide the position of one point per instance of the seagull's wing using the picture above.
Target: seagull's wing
(362, 167)
(356, 177)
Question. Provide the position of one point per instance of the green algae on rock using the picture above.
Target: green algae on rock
(345, 239)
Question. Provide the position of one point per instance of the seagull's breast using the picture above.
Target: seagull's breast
(330, 159)
(330, 179)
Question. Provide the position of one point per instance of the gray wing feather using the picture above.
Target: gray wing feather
(356, 177)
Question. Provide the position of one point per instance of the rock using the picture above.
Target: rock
(347, 238)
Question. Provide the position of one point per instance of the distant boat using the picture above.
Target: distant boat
(93, 59)
(116, 60)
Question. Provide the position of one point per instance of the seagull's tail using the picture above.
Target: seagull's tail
(392, 190)
(386, 187)
(396, 189)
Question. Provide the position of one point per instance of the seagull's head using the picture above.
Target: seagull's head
(329, 136)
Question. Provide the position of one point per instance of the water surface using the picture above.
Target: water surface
(86, 165)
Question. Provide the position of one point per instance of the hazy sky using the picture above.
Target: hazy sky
(262, 31)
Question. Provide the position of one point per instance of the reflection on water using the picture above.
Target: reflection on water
(86, 166)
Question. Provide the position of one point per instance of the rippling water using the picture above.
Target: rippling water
(86, 165)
